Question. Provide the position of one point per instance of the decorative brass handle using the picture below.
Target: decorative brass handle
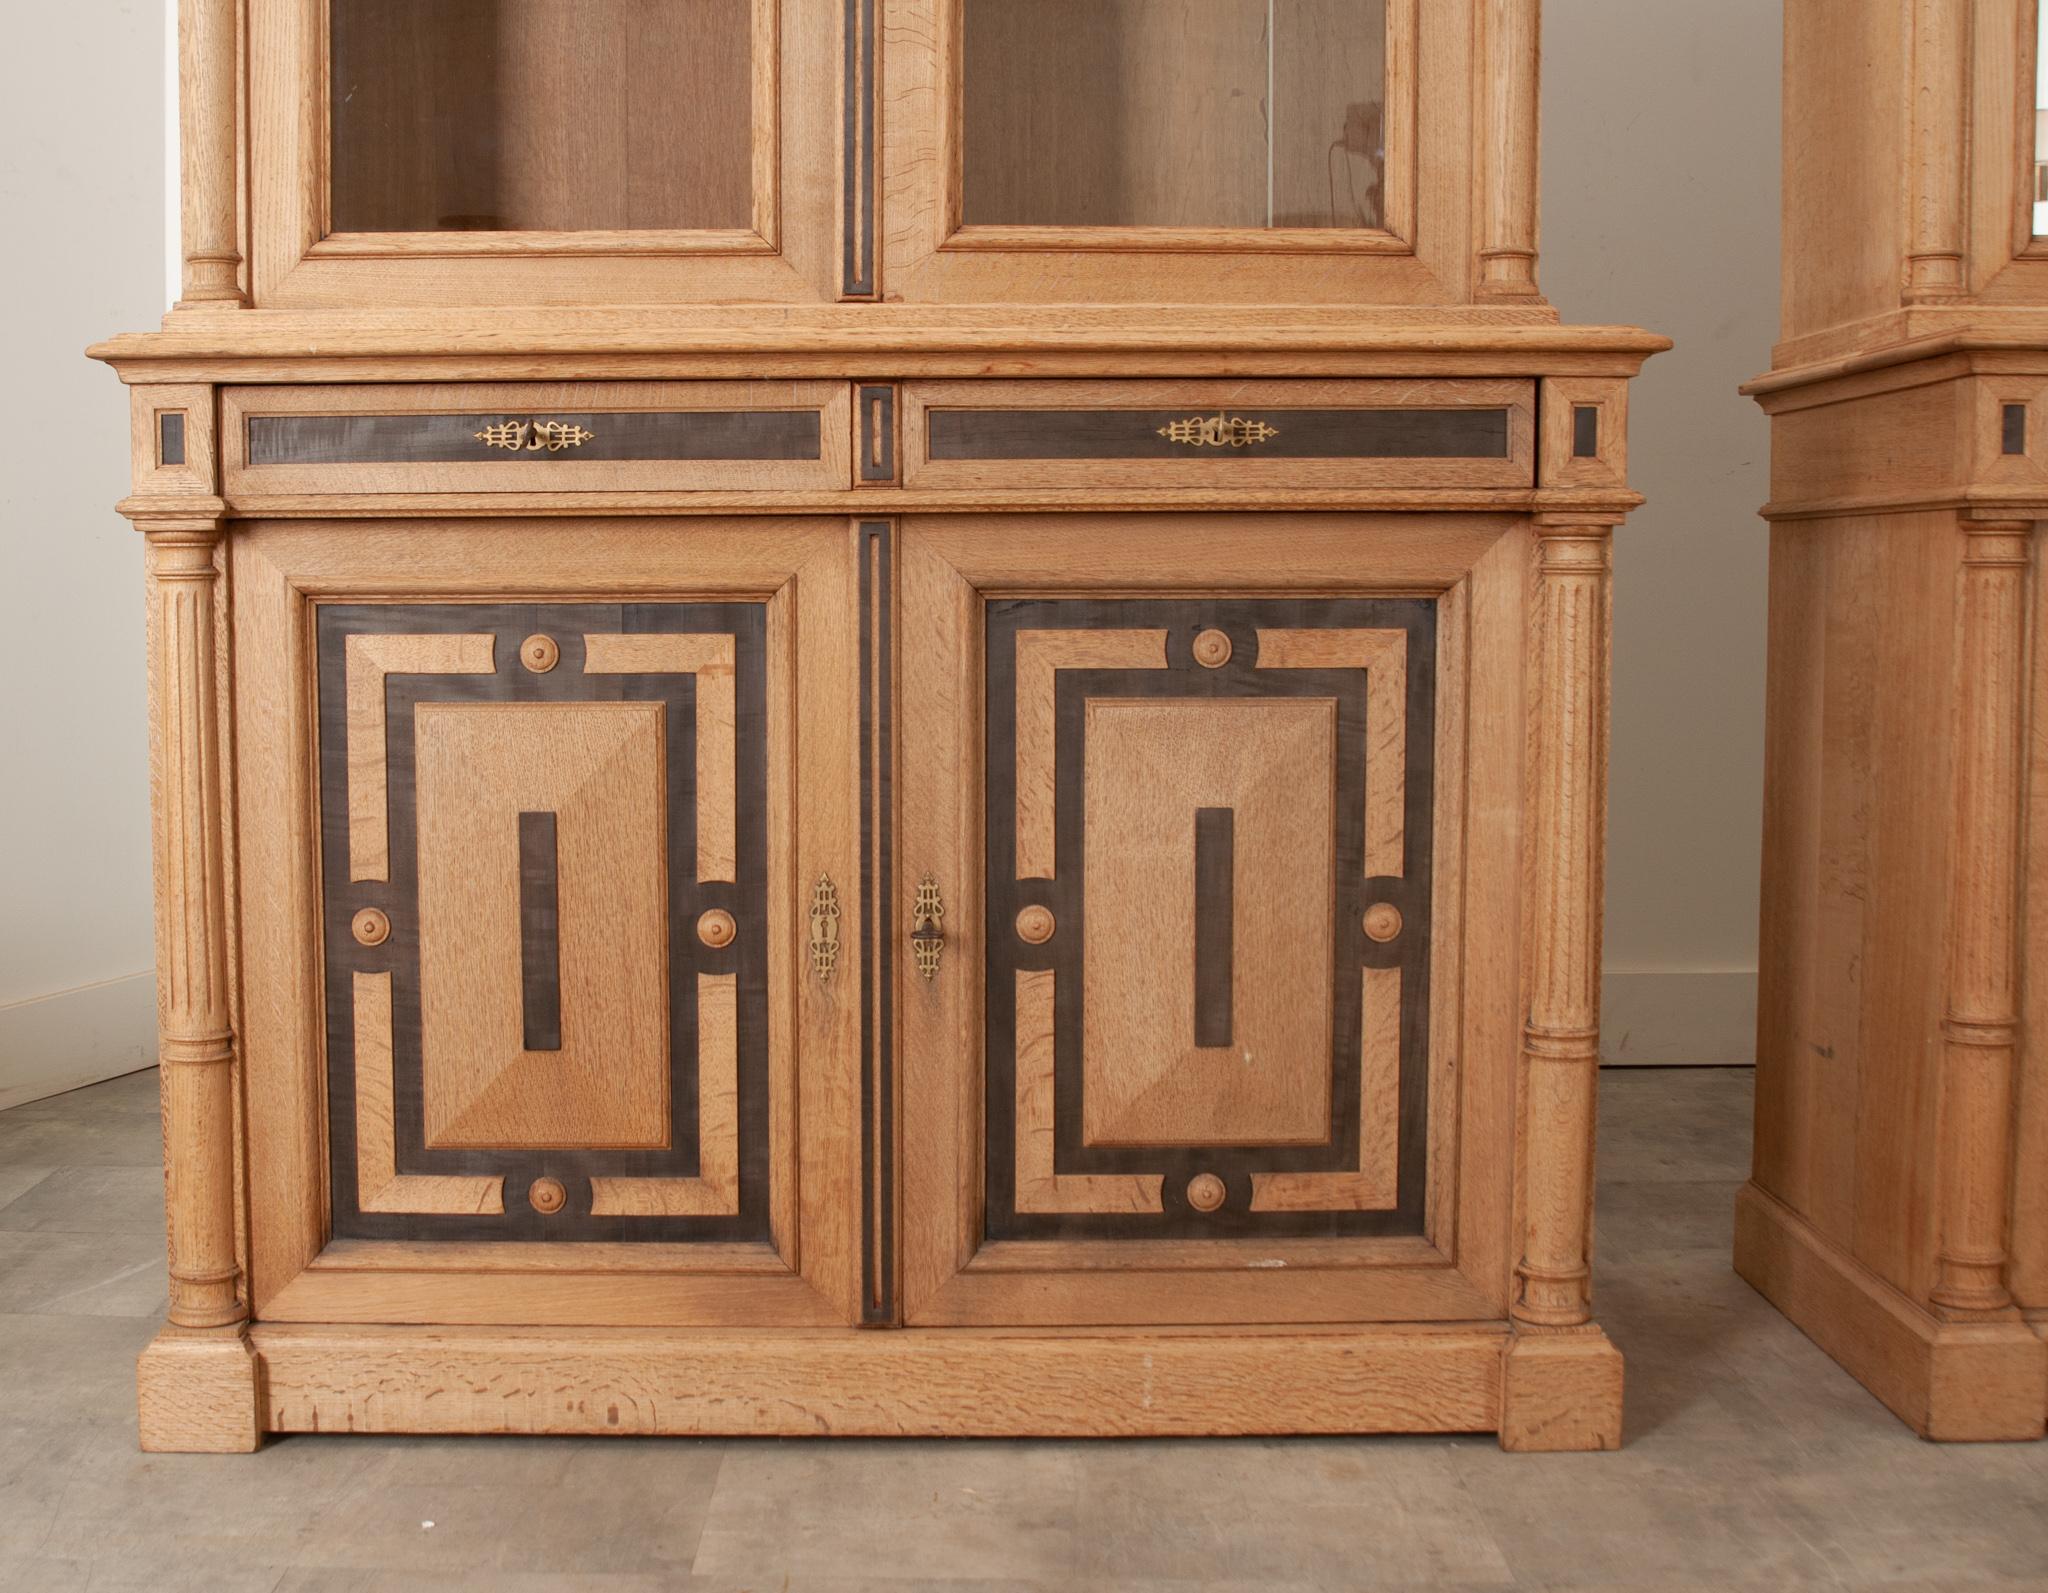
(534, 436)
(1220, 430)
(927, 928)
(824, 928)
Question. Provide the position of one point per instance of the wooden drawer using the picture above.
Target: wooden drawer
(521, 437)
(1193, 434)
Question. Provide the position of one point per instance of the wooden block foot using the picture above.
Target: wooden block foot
(1955, 1381)
(198, 1393)
(1561, 1391)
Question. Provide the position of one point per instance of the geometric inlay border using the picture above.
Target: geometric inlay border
(701, 667)
(1375, 661)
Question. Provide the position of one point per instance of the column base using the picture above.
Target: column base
(1560, 1391)
(1951, 1381)
(197, 1392)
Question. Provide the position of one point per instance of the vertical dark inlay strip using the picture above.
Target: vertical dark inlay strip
(2014, 429)
(858, 142)
(1215, 916)
(1585, 431)
(170, 437)
(878, 934)
(878, 434)
(540, 945)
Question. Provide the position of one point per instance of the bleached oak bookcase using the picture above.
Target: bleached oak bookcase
(875, 716)
(1898, 1209)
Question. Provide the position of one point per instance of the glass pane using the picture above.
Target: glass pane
(540, 115)
(1174, 113)
(2041, 131)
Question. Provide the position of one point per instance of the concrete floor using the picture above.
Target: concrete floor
(1752, 1461)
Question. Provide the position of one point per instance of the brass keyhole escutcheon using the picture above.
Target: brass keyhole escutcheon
(824, 928)
(928, 928)
(1382, 922)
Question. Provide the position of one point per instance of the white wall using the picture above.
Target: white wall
(81, 186)
(1660, 208)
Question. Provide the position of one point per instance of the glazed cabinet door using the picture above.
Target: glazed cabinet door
(565, 784)
(1185, 851)
(1201, 152)
(468, 153)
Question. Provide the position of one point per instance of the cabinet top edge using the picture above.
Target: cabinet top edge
(2006, 333)
(878, 338)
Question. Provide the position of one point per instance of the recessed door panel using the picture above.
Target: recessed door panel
(546, 914)
(1208, 895)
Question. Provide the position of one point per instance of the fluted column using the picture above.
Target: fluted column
(197, 1048)
(1567, 814)
(1510, 58)
(1980, 1027)
(1936, 221)
(206, 136)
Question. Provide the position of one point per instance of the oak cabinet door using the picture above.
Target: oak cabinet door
(574, 1068)
(1205, 1013)
(1163, 151)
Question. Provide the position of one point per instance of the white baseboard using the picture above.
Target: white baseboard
(1678, 1017)
(76, 1037)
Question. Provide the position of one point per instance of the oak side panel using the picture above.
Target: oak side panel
(1857, 841)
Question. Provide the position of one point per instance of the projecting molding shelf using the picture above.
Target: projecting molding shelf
(896, 339)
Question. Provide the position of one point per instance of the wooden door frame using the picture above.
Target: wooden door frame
(787, 253)
(1459, 1269)
(804, 571)
(1459, 91)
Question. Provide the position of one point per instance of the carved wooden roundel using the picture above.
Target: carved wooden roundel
(547, 1196)
(1212, 649)
(716, 928)
(1035, 925)
(370, 927)
(1382, 922)
(1205, 1192)
(540, 653)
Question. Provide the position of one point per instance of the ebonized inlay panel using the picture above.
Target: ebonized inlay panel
(687, 958)
(965, 434)
(616, 437)
(1345, 896)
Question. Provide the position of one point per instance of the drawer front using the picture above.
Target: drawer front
(710, 436)
(1194, 434)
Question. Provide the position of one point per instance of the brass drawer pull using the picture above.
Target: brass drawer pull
(1219, 430)
(927, 928)
(535, 436)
